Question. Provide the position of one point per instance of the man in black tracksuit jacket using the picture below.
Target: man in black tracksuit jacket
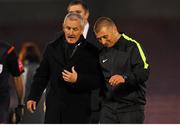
(125, 68)
(71, 66)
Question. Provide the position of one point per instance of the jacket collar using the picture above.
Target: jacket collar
(57, 48)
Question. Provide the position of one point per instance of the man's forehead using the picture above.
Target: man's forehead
(101, 34)
(103, 30)
(72, 23)
(69, 20)
(75, 8)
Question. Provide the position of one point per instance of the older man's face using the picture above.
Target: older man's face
(73, 30)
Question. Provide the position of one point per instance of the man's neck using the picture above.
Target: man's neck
(118, 36)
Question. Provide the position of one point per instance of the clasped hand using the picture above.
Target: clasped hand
(116, 80)
(19, 112)
(70, 76)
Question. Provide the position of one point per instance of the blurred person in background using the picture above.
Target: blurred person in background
(30, 56)
(81, 8)
(10, 65)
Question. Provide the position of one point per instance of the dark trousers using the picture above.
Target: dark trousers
(70, 114)
(113, 115)
(71, 118)
(4, 109)
(95, 106)
(4, 114)
(95, 117)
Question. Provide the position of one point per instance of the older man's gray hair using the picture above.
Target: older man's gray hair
(74, 16)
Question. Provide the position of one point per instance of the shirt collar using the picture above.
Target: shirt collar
(86, 28)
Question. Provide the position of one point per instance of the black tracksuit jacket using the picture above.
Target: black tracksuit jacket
(126, 58)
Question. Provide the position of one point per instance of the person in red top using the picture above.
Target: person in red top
(9, 64)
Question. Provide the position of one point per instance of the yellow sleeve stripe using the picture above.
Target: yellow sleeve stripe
(146, 65)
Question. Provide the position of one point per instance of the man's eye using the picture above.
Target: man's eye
(68, 28)
(105, 37)
(99, 39)
(75, 29)
(78, 11)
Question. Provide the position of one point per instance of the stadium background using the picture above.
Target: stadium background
(156, 23)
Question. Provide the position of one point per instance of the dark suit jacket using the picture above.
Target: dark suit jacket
(67, 103)
(91, 38)
(95, 96)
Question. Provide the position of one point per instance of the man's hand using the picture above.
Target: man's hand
(116, 80)
(70, 76)
(19, 112)
(31, 105)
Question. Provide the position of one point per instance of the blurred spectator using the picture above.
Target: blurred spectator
(30, 56)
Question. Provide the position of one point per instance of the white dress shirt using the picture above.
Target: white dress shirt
(86, 28)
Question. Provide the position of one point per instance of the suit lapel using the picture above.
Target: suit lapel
(75, 57)
(79, 51)
(58, 51)
(91, 38)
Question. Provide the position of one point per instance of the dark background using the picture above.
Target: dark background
(156, 23)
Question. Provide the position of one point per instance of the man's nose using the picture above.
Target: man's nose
(103, 41)
(71, 31)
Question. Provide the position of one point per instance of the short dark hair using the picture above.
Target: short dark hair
(101, 22)
(79, 2)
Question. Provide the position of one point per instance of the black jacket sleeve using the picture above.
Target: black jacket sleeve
(15, 66)
(140, 68)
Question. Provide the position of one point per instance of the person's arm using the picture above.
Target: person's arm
(15, 67)
(91, 79)
(140, 68)
(135, 77)
(20, 89)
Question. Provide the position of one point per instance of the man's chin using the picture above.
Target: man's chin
(70, 41)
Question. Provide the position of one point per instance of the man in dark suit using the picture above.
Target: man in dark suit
(71, 66)
(79, 7)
